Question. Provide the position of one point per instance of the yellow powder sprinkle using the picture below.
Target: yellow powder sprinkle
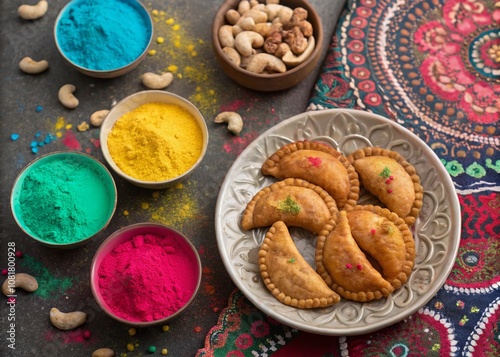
(169, 21)
(144, 205)
(130, 347)
(132, 331)
(125, 213)
(176, 27)
(165, 328)
(172, 68)
(68, 126)
(60, 123)
(155, 194)
(160, 40)
(152, 52)
(155, 142)
(155, 12)
(164, 351)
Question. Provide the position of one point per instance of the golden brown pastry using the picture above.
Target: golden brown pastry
(384, 236)
(319, 164)
(296, 202)
(288, 275)
(344, 266)
(389, 177)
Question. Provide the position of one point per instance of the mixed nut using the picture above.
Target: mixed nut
(266, 38)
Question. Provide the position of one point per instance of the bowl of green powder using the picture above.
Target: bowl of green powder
(63, 199)
(103, 38)
(145, 274)
(154, 139)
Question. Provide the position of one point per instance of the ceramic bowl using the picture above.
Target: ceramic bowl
(133, 101)
(109, 72)
(97, 208)
(273, 81)
(189, 262)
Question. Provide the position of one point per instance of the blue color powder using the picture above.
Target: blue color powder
(103, 34)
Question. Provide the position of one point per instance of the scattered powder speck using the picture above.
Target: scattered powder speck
(172, 207)
(237, 144)
(49, 286)
(178, 53)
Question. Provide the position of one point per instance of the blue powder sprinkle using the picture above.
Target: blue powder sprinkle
(103, 34)
(34, 144)
(34, 150)
(39, 108)
(48, 139)
(41, 143)
(38, 133)
(14, 136)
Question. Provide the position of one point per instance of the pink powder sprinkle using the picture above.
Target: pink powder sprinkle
(315, 161)
(373, 231)
(389, 191)
(359, 266)
(348, 266)
(388, 181)
(391, 177)
(71, 141)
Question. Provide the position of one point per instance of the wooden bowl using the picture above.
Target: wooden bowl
(272, 81)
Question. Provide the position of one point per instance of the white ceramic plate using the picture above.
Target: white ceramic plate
(436, 232)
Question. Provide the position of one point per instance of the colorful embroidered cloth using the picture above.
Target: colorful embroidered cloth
(432, 66)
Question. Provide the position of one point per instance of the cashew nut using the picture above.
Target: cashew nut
(257, 15)
(234, 120)
(20, 280)
(33, 12)
(103, 352)
(28, 65)
(97, 117)
(66, 96)
(284, 15)
(264, 61)
(157, 81)
(244, 6)
(226, 37)
(291, 60)
(247, 40)
(67, 320)
(232, 16)
(232, 55)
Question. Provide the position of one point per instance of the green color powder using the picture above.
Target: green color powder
(289, 206)
(49, 286)
(65, 200)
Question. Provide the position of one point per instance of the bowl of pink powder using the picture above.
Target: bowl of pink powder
(145, 274)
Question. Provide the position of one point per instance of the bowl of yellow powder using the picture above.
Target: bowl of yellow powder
(154, 139)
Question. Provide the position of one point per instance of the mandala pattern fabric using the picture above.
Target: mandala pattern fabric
(433, 66)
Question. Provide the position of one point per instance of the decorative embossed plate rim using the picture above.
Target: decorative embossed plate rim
(436, 232)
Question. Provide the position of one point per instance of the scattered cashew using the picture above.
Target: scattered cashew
(66, 96)
(232, 55)
(67, 320)
(234, 120)
(33, 12)
(20, 280)
(28, 65)
(291, 60)
(103, 352)
(97, 117)
(157, 81)
(247, 40)
(261, 62)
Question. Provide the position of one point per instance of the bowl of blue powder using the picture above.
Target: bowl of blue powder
(103, 38)
(63, 199)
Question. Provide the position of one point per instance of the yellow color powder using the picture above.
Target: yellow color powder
(155, 142)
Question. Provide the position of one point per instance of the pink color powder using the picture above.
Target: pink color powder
(71, 141)
(148, 277)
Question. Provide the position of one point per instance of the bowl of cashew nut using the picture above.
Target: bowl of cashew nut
(267, 45)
